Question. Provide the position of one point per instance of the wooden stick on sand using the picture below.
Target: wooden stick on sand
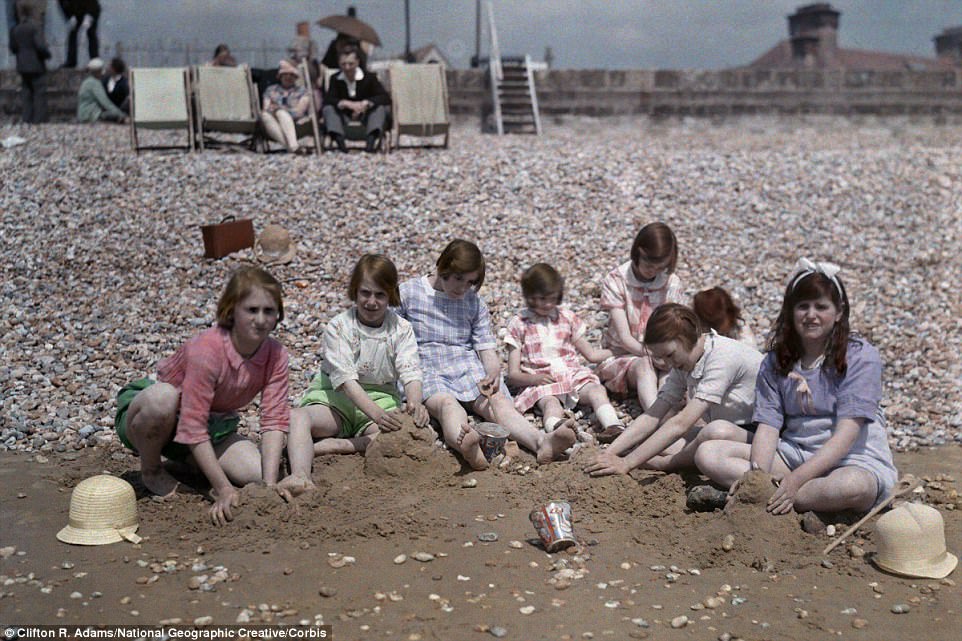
(905, 485)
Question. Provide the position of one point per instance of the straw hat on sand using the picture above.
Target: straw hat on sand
(103, 509)
(911, 542)
(274, 246)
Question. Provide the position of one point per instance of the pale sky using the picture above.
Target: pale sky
(666, 34)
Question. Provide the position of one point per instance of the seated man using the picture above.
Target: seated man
(355, 95)
(93, 104)
(116, 85)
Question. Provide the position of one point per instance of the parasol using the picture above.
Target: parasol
(352, 27)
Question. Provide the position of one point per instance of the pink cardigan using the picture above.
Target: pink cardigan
(213, 378)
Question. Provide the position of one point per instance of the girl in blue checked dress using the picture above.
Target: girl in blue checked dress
(459, 358)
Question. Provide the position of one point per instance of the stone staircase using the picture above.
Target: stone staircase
(518, 98)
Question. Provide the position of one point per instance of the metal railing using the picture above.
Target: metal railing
(494, 68)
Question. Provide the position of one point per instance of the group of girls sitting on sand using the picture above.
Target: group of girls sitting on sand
(808, 412)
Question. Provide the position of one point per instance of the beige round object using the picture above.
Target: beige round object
(274, 246)
(911, 542)
(103, 509)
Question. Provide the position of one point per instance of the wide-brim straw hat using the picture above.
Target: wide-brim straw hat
(274, 246)
(103, 509)
(911, 542)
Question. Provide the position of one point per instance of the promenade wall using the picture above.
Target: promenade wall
(658, 93)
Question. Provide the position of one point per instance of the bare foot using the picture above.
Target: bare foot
(552, 446)
(469, 444)
(160, 483)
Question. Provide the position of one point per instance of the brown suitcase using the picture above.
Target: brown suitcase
(227, 236)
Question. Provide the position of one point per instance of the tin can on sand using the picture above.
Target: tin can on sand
(553, 522)
(493, 438)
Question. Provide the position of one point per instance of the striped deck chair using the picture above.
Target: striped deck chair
(160, 99)
(419, 97)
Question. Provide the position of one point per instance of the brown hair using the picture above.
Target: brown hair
(541, 279)
(785, 341)
(461, 257)
(716, 310)
(673, 322)
(379, 269)
(242, 282)
(656, 242)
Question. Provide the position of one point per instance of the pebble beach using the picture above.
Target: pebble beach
(103, 268)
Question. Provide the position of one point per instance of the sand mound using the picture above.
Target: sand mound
(756, 488)
(406, 453)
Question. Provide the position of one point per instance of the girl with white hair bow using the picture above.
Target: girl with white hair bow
(821, 432)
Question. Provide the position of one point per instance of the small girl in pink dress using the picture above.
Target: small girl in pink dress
(545, 345)
(630, 293)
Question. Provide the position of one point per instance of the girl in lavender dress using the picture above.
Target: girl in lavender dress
(821, 432)
(459, 360)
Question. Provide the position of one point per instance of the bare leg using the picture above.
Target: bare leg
(844, 488)
(151, 420)
(286, 123)
(681, 453)
(643, 377)
(272, 127)
(550, 407)
(454, 426)
(547, 447)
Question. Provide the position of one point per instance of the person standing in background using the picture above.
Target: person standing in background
(29, 46)
(78, 13)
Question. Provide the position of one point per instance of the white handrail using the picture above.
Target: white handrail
(494, 68)
(529, 72)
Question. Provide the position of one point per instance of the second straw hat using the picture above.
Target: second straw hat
(911, 542)
(274, 246)
(103, 509)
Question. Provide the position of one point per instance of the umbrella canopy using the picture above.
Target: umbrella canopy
(351, 27)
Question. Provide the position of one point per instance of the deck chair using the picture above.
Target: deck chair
(226, 102)
(354, 130)
(160, 99)
(419, 97)
(309, 125)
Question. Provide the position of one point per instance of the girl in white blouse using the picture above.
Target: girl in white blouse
(368, 350)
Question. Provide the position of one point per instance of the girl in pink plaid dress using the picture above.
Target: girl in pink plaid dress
(630, 293)
(545, 345)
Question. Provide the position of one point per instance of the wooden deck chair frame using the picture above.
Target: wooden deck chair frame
(407, 121)
(309, 125)
(231, 118)
(163, 96)
(354, 129)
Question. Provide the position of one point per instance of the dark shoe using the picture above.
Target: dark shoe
(609, 434)
(373, 142)
(339, 141)
(705, 498)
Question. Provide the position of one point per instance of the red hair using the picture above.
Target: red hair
(716, 309)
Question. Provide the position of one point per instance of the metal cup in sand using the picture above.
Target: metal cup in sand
(493, 438)
(553, 522)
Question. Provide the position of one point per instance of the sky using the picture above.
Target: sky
(640, 34)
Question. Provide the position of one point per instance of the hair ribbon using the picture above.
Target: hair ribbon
(805, 267)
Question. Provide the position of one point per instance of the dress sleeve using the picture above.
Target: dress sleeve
(339, 361)
(578, 329)
(715, 381)
(515, 335)
(612, 291)
(407, 363)
(481, 336)
(197, 393)
(859, 392)
(275, 406)
(676, 291)
(769, 407)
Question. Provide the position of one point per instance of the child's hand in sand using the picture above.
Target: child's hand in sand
(783, 500)
(294, 485)
(418, 412)
(220, 512)
(390, 421)
(606, 464)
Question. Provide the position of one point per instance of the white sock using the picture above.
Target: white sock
(550, 423)
(607, 416)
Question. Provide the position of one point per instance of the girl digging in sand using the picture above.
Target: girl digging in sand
(630, 293)
(821, 431)
(189, 414)
(718, 375)
(716, 310)
(544, 342)
(459, 357)
(368, 349)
